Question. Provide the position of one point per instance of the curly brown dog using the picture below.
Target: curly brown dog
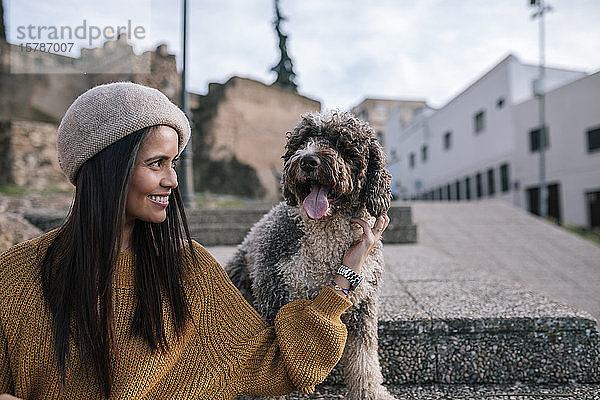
(334, 169)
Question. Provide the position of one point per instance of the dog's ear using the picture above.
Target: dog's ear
(289, 197)
(377, 190)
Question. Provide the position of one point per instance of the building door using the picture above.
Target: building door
(533, 200)
(533, 196)
(593, 200)
(554, 202)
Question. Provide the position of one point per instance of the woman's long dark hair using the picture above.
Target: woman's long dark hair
(78, 268)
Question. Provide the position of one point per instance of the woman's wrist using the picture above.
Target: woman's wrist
(341, 281)
(339, 289)
(341, 285)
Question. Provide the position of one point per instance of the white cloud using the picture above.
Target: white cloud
(346, 50)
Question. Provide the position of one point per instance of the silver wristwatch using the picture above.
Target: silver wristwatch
(354, 278)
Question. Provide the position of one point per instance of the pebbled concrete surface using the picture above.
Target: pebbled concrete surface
(469, 392)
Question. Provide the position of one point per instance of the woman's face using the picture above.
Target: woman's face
(153, 176)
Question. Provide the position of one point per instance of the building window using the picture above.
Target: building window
(447, 140)
(468, 188)
(534, 139)
(412, 160)
(491, 182)
(504, 178)
(424, 153)
(381, 110)
(457, 188)
(593, 139)
(479, 121)
(500, 102)
(479, 185)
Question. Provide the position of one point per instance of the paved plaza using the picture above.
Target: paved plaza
(494, 242)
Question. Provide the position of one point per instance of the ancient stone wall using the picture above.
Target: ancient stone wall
(5, 153)
(29, 155)
(45, 97)
(245, 121)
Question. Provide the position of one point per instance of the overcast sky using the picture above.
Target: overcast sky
(345, 50)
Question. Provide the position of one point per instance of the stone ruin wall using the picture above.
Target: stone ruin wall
(250, 121)
(28, 154)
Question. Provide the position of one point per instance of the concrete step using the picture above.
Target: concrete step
(232, 234)
(229, 234)
(474, 332)
(227, 216)
(400, 215)
(397, 234)
(228, 227)
(569, 391)
(401, 228)
(46, 220)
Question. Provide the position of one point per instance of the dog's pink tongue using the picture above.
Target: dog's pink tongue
(316, 204)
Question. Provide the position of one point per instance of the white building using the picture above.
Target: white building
(482, 143)
(376, 112)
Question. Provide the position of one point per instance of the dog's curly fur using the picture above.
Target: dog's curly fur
(288, 256)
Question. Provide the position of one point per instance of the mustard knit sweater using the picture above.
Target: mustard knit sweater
(226, 349)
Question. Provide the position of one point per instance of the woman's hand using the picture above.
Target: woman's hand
(6, 396)
(357, 254)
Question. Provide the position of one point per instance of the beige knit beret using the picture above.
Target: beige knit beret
(106, 113)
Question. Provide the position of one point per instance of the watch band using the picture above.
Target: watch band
(354, 278)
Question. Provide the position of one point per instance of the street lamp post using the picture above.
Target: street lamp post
(538, 89)
(186, 177)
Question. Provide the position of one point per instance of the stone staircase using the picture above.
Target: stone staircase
(478, 340)
(474, 332)
(223, 227)
(228, 227)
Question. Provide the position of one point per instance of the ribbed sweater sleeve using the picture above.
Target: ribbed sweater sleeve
(6, 384)
(297, 353)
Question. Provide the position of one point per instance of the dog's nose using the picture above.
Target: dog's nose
(309, 162)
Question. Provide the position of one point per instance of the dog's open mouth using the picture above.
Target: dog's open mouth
(316, 203)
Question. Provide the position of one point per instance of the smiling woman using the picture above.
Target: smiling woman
(120, 302)
(152, 180)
